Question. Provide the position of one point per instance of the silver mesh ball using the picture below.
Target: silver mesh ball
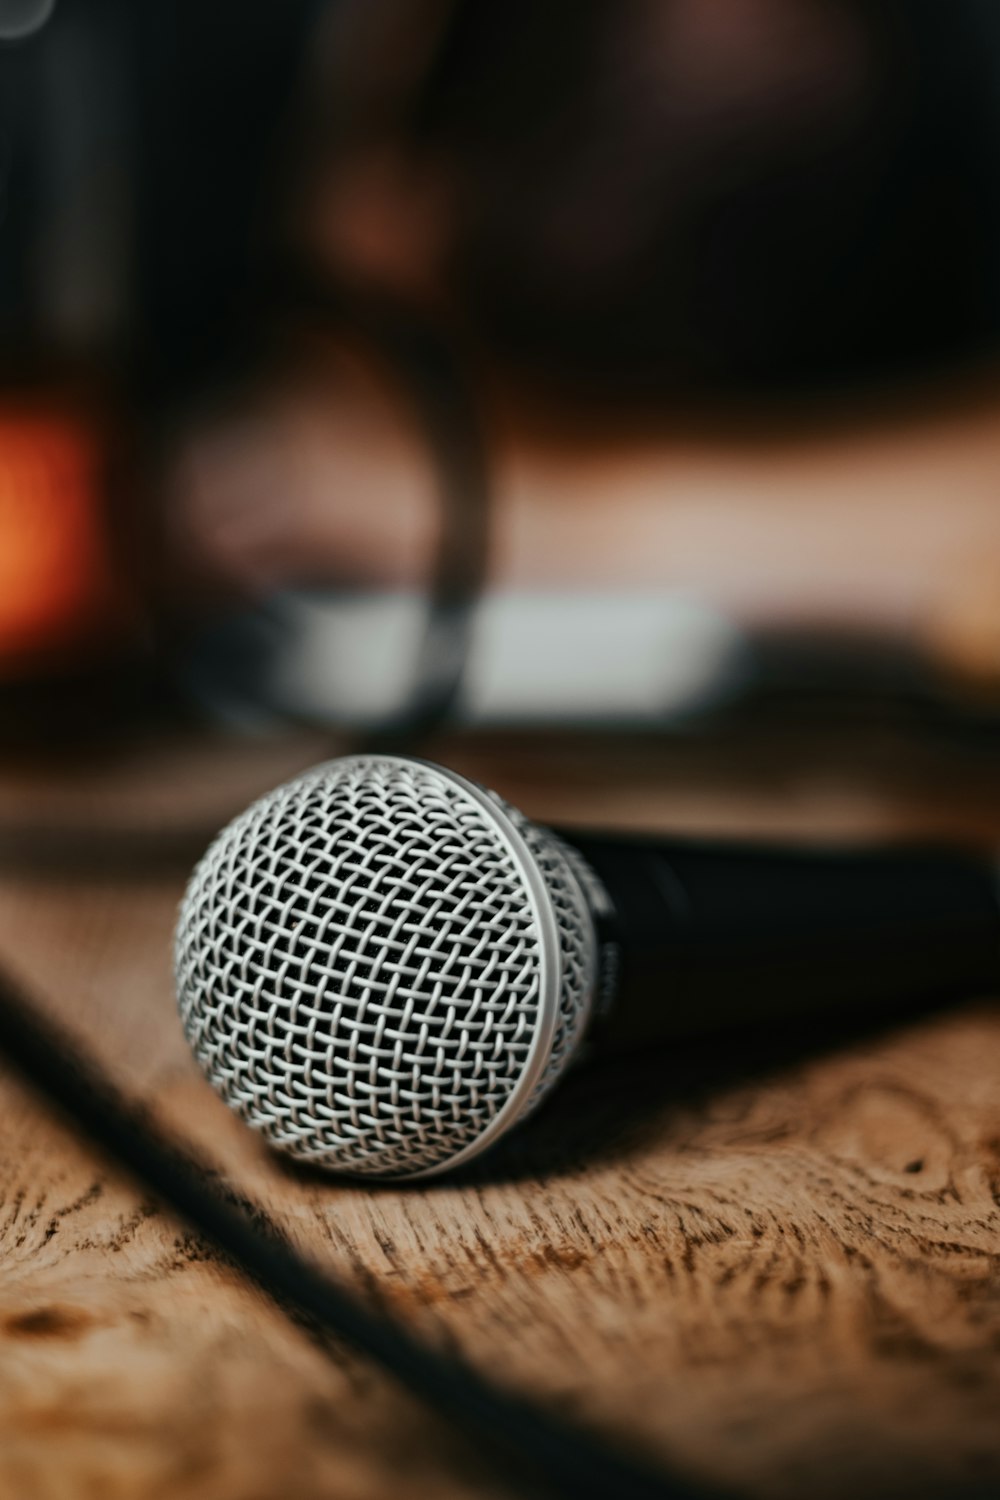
(382, 967)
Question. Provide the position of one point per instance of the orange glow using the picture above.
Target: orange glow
(57, 588)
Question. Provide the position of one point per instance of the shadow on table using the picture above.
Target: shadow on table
(611, 1107)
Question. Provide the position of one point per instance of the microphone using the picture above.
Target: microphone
(384, 967)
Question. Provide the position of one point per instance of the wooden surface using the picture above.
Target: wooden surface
(779, 1271)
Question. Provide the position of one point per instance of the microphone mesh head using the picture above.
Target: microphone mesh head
(382, 966)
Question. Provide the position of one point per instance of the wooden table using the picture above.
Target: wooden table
(779, 1272)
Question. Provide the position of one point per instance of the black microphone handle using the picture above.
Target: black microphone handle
(713, 935)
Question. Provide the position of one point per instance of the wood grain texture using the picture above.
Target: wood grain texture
(779, 1270)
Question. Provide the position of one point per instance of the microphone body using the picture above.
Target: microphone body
(697, 937)
(383, 967)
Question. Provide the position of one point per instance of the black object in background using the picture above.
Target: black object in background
(877, 253)
(136, 150)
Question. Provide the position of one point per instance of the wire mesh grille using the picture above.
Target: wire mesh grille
(360, 971)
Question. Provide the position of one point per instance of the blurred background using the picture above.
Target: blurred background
(615, 370)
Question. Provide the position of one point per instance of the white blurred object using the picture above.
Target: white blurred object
(534, 658)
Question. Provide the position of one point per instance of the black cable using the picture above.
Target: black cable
(543, 1453)
(424, 359)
